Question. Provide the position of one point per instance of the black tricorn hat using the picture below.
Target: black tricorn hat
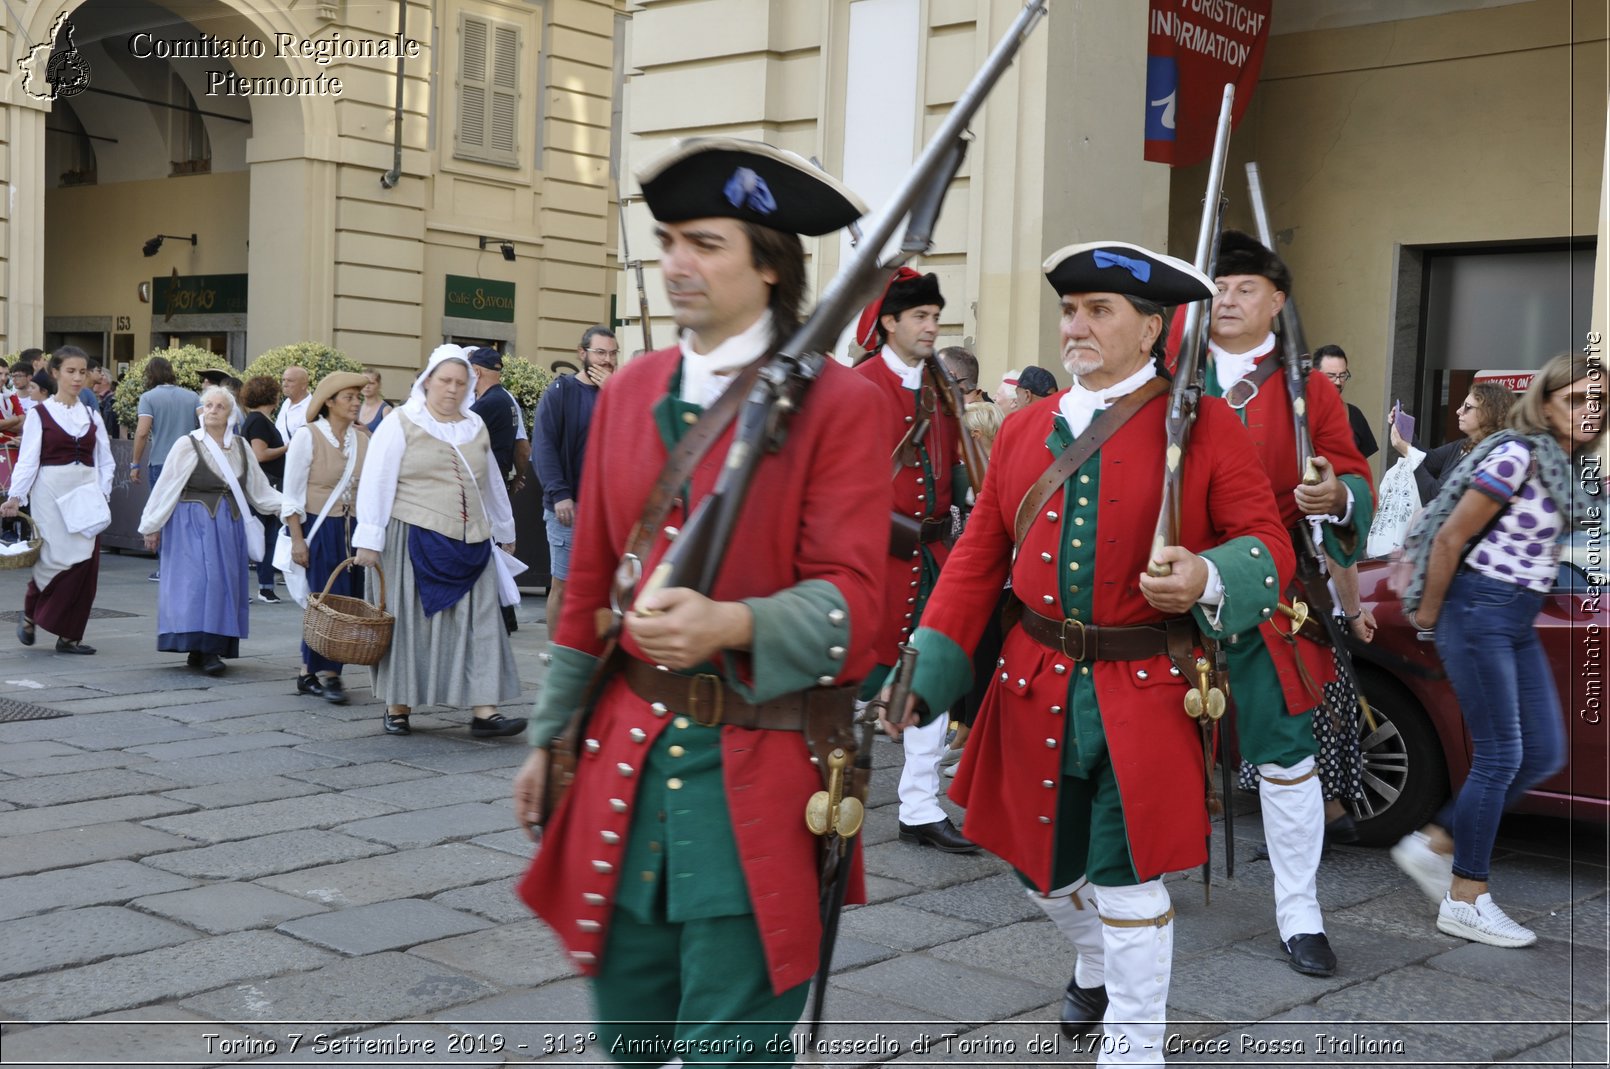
(1242, 254)
(906, 293)
(1119, 267)
(726, 177)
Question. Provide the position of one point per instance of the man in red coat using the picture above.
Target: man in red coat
(1083, 769)
(1277, 679)
(678, 871)
(899, 330)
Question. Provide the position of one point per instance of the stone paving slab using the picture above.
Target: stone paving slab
(901, 927)
(106, 882)
(382, 926)
(82, 786)
(1576, 973)
(443, 790)
(303, 725)
(217, 744)
(33, 751)
(242, 792)
(855, 1015)
(220, 908)
(1235, 915)
(427, 827)
(66, 847)
(76, 937)
(159, 1035)
(1583, 923)
(346, 777)
(1032, 950)
(265, 818)
(486, 756)
(222, 768)
(381, 747)
(157, 975)
(81, 814)
(1582, 1045)
(997, 899)
(216, 712)
(376, 988)
(403, 874)
(81, 762)
(101, 731)
(98, 701)
(883, 889)
(250, 859)
(536, 1025)
(496, 901)
(515, 841)
(927, 867)
(386, 1046)
(522, 954)
(949, 990)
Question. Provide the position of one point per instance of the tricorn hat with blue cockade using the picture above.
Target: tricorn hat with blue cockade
(1119, 267)
(726, 177)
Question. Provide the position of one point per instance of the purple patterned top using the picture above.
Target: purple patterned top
(1523, 546)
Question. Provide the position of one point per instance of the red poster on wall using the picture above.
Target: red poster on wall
(1193, 48)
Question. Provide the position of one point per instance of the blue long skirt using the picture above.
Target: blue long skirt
(329, 548)
(204, 595)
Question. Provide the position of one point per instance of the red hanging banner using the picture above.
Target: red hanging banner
(1193, 48)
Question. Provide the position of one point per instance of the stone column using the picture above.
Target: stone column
(22, 210)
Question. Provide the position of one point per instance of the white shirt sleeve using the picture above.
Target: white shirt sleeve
(26, 469)
(105, 469)
(377, 487)
(298, 464)
(170, 485)
(495, 496)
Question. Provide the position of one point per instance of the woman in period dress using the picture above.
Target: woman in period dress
(197, 518)
(321, 485)
(64, 470)
(374, 406)
(429, 505)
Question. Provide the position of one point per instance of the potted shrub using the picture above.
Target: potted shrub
(318, 359)
(188, 362)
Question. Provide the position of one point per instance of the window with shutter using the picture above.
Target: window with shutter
(488, 91)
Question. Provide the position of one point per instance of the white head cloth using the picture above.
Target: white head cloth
(416, 409)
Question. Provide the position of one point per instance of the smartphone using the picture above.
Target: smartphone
(1403, 421)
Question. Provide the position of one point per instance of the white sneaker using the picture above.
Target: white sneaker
(949, 771)
(952, 756)
(1431, 871)
(1483, 922)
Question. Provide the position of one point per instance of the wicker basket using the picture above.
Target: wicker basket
(28, 559)
(348, 630)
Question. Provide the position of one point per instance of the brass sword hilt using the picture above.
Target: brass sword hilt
(1204, 700)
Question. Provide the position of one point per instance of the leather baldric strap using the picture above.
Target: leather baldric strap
(1080, 450)
(1243, 390)
(706, 699)
(1089, 642)
(906, 533)
(679, 466)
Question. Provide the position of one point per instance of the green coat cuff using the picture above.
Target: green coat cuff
(801, 637)
(1345, 545)
(563, 688)
(944, 672)
(1251, 588)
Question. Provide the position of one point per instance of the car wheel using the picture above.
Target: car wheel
(1405, 776)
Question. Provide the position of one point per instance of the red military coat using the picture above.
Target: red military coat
(903, 581)
(1011, 767)
(1269, 423)
(805, 519)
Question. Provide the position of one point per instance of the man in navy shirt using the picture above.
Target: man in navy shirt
(564, 416)
(496, 407)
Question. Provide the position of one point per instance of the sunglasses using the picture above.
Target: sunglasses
(611, 353)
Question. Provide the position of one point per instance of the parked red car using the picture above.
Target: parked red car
(1419, 751)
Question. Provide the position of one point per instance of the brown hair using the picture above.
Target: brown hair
(159, 372)
(1529, 416)
(1493, 402)
(259, 390)
(785, 255)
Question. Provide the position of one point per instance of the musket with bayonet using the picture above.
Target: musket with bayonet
(695, 557)
(637, 272)
(1313, 571)
(1204, 701)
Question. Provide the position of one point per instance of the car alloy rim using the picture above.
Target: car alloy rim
(1386, 767)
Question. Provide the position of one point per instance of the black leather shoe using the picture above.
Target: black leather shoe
(495, 726)
(1341, 830)
(941, 834)
(25, 631)
(309, 685)
(212, 664)
(67, 645)
(193, 659)
(1082, 1009)
(1311, 954)
(334, 691)
(396, 724)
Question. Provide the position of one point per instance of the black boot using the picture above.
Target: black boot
(1082, 1009)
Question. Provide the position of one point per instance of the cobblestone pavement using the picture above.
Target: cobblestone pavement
(195, 870)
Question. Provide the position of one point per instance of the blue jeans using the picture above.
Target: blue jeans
(1488, 641)
(560, 538)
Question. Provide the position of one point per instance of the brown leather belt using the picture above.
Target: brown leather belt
(707, 700)
(1089, 642)
(906, 533)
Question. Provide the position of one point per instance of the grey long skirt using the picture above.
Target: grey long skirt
(459, 657)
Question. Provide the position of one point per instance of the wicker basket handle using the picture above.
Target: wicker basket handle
(33, 527)
(343, 566)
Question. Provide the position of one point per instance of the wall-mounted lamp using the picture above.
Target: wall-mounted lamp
(152, 246)
(504, 245)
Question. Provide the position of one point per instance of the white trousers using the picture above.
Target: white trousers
(1294, 832)
(919, 779)
(1139, 962)
(1073, 910)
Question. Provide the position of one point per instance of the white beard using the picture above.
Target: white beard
(1079, 362)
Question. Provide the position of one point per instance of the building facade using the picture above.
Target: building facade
(376, 176)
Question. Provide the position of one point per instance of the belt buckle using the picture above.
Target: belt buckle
(1233, 396)
(1062, 639)
(717, 699)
